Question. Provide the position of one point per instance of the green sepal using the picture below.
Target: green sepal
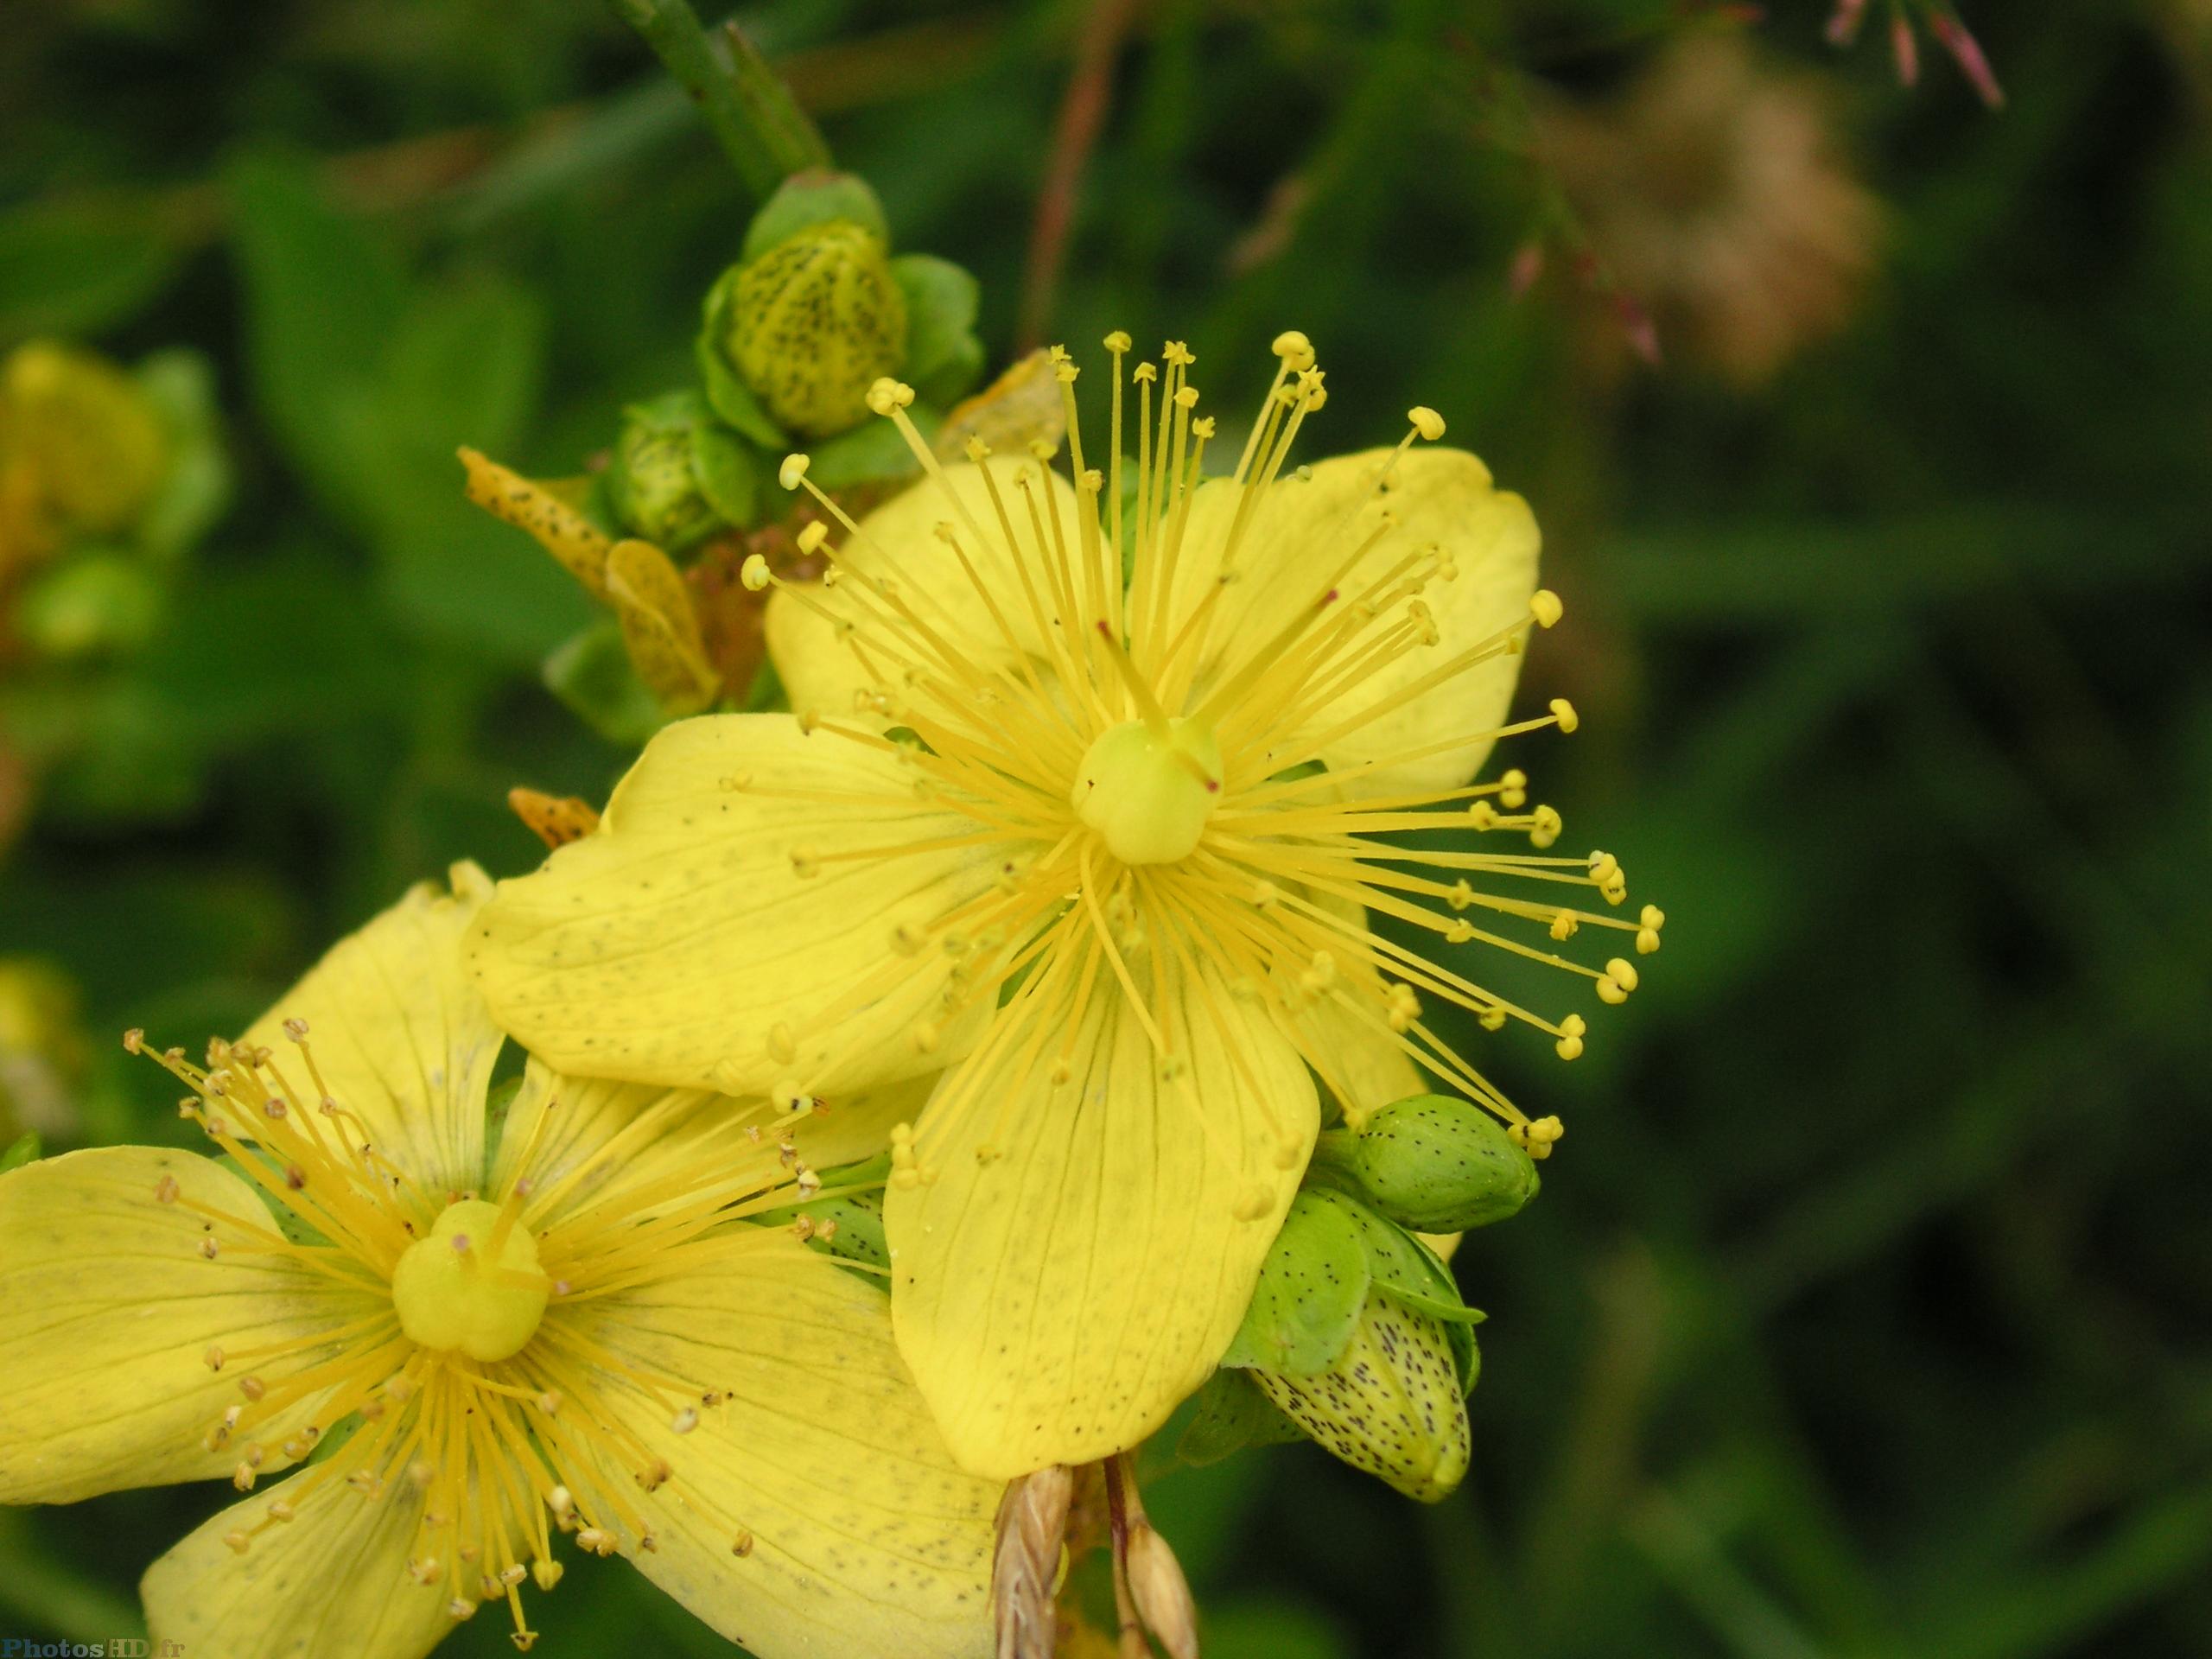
(729, 396)
(815, 197)
(498, 1101)
(1232, 1414)
(591, 674)
(1311, 1288)
(1403, 1266)
(196, 488)
(728, 473)
(871, 451)
(943, 354)
(25, 1148)
(859, 1235)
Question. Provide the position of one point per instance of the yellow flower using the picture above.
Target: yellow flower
(1065, 836)
(580, 1341)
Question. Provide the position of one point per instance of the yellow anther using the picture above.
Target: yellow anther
(1482, 815)
(1564, 927)
(238, 1542)
(1612, 991)
(1294, 349)
(1513, 791)
(1570, 1037)
(1426, 421)
(754, 573)
(1563, 712)
(793, 470)
(1186, 396)
(1491, 1019)
(811, 537)
(1462, 894)
(546, 1573)
(1460, 932)
(888, 395)
(741, 1546)
(1544, 605)
(1623, 971)
(1118, 341)
(1544, 826)
(1144, 372)
(165, 1190)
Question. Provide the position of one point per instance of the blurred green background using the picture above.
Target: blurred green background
(1868, 1306)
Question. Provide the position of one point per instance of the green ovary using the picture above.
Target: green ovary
(1148, 790)
(453, 1291)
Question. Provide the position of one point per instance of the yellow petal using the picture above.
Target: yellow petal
(333, 1580)
(1302, 535)
(1362, 1064)
(107, 1309)
(861, 1538)
(582, 1140)
(898, 541)
(680, 944)
(1060, 1296)
(401, 1037)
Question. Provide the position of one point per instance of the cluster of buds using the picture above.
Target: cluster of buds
(1357, 1336)
(105, 477)
(815, 311)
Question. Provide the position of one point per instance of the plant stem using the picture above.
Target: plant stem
(751, 112)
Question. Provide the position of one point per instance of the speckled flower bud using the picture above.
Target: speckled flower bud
(1434, 1163)
(83, 437)
(812, 323)
(652, 482)
(1392, 1403)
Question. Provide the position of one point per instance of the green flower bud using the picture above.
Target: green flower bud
(82, 437)
(1434, 1163)
(1357, 1336)
(1391, 1403)
(652, 483)
(811, 325)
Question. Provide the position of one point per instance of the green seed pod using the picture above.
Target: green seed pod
(812, 324)
(1434, 1163)
(652, 483)
(1392, 1403)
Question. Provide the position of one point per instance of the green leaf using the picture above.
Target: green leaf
(809, 198)
(729, 470)
(192, 496)
(323, 298)
(961, 370)
(873, 450)
(941, 304)
(76, 269)
(1232, 1415)
(1309, 1294)
(24, 1149)
(591, 674)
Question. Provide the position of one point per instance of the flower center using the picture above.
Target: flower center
(473, 1284)
(1148, 788)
